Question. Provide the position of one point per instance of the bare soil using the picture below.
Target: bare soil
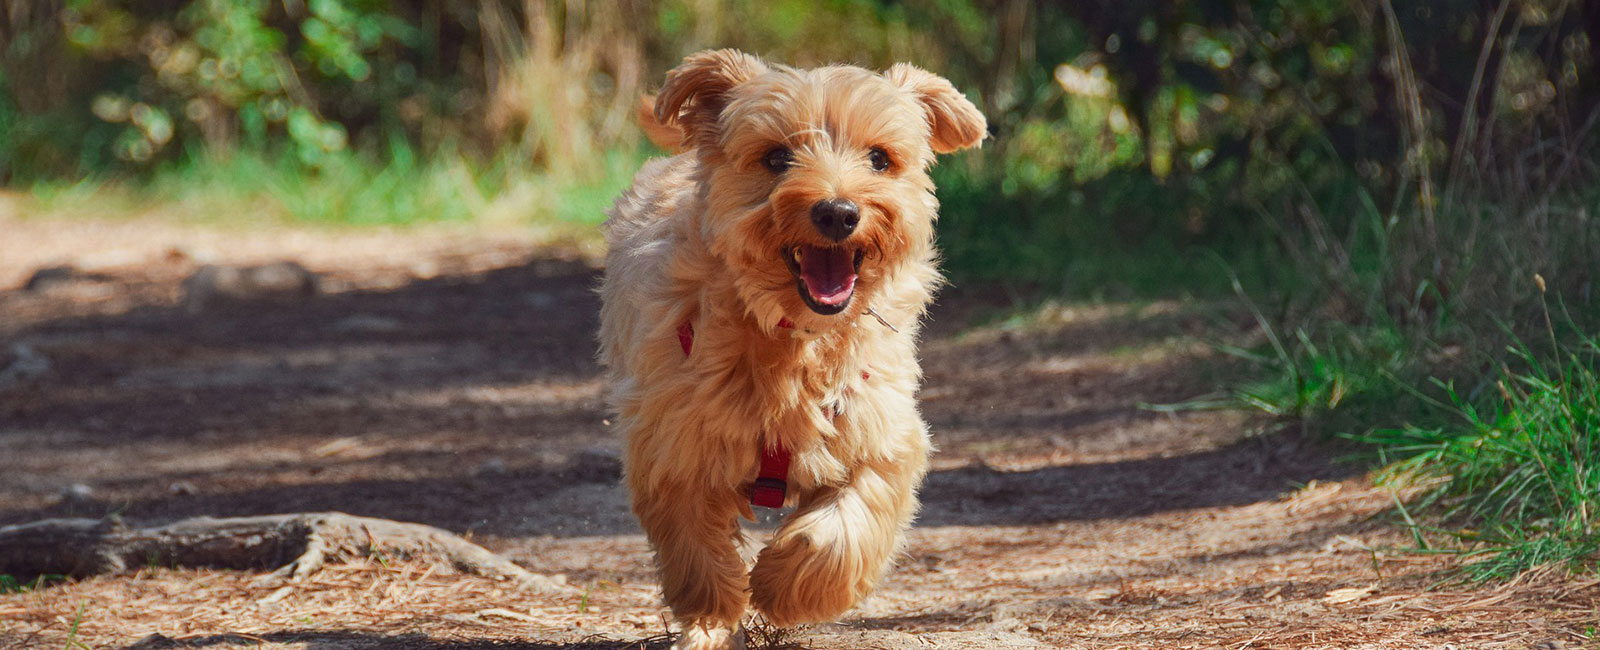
(446, 377)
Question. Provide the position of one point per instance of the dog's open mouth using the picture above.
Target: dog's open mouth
(824, 275)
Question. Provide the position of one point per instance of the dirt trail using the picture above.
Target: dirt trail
(446, 377)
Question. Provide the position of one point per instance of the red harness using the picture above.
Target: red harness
(772, 482)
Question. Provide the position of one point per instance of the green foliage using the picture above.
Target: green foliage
(10, 120)
(1354, 369)
(1504, 463)
(10, 584)
(1521, 463)
(216, 68)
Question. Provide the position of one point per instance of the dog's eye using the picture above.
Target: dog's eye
(879, 159)
(778, 160)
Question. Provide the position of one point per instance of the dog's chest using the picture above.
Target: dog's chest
(829, 379)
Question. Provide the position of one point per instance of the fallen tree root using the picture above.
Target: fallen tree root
(295, 545)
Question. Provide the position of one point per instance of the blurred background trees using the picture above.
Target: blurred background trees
(1348, 128)
(1137, 123)
(1357, 159)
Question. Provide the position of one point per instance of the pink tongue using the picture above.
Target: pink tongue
(829, 273)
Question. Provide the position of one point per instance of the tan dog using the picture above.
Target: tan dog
(761, 305)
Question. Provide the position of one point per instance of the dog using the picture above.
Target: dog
(760, 309)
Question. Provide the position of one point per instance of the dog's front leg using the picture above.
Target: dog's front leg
(834, 548)
(696, 537)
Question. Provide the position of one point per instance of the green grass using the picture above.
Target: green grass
(401, 187)
(1115, 237)
(9, 584)
(72, 632)
(1349, 369)
(1519, 470)
(1505, 465)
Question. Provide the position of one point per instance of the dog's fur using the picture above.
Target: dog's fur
(705, 238)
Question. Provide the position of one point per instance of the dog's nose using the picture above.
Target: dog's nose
(835, 218)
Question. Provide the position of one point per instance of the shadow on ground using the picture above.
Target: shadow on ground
(1246, 472)
(158, 371)
(473, 404)
(371, 641)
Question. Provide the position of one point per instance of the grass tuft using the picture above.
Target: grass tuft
(72, 633)
(1520, 470)
(10, 584)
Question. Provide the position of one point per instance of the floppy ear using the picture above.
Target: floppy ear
(667, 136)
(955, 122)
(697, 90)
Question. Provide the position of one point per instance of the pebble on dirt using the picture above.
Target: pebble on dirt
(77, 492)
(211, 286)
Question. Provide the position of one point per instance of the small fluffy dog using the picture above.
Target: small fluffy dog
(761, 305)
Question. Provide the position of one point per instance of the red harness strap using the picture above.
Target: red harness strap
(686, 337)
(772, 482)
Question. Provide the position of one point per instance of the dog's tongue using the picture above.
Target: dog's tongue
(829, 273)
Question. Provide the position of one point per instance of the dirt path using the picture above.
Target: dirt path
(446, 377)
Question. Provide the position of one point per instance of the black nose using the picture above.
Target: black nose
(835, 218)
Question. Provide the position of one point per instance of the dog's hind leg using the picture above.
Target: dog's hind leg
(696, 537)
(834, 548)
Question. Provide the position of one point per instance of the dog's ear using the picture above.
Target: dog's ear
(667, 136)
(697, 90)
(955, 122)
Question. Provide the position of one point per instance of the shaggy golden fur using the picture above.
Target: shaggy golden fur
(719, 238)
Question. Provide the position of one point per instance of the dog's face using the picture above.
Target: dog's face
(816, 180)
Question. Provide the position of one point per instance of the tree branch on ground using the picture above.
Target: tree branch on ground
(294, 545)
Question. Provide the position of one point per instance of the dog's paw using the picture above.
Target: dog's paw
(795, 581)
(695, 637)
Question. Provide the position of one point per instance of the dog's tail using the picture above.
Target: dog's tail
(666, 136)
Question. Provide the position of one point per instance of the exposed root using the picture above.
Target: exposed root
(298, 545)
